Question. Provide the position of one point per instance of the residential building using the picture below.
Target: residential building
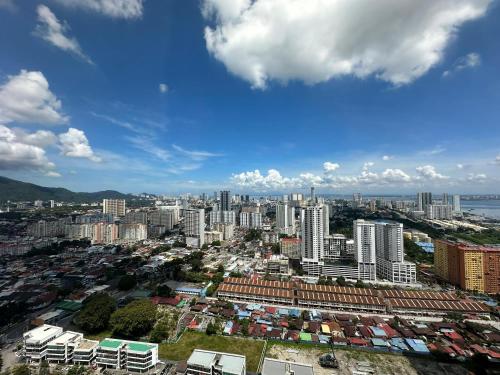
(225, 200)
(290, 247)
(214, 363)
(164, 218)
(364, 249)
(227, 230)
(423, 200)
(456, 203)
(194, 227)
(285, 219)
(277, 265)
(115, 207)
(135, 217)
(312, 239)
(211, 236)
(85, 352)
(37, 340)
(251, 220)
(475, 268)
(224, 217)
(438, 212)
(132, 232)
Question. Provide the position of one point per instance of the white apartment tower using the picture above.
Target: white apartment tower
(115, 207)
(285, 219)
(456, 203)
(194, 226)
(364, 249)
(312, 233)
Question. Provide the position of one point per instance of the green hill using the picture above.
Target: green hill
(12, 190)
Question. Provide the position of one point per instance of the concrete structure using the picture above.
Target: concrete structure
(285, 219)
(115, 207)
(133, 356)
(194, 227)
(85, 352)
(475, 268)
(225, 217)
(226, 229)
(423, 199)
(225, 200)
(204, 362)
(290, 247)
(438, 212)
(364, 249)
(61, 349)
(251, 220)
(456, 204)
(37, 340)
(277, 265)
(273, 366)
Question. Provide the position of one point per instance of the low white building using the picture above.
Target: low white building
(133, 356)
(61, 349)
(213, 363)
(37, 340)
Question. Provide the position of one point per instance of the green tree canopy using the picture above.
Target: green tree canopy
(134, 320)
(95, 314)
(127, 282)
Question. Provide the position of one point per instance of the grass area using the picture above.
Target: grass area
(189, 341)
(489, 236)
(99, 336)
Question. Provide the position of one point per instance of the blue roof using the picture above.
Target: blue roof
(399, 343)
(378, 331)
(262, 321)
(244, 314)
(426, 246)
(283, 311)
(378, 342)
(417, 345)
(254, 306)
(294, 312)
(188, 290)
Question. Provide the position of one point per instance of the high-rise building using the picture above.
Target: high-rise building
(285, 219)
(445, 199)
(313, 195)
(438, 212)
(423, 199)
(225, 200)
(222, 217)
(471, 267)
(116, 207)
(456, 203)
(312, 233)
(389, 246)
(194, 227)
(251, 220)
(364, 249)
(326, 219)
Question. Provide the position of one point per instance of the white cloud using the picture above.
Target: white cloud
(126, 9)
(477, 177)
(40, 138)
(330, 167)
(74, 143)
(52, 174)
(497, 159)
(387, 157)
(27, 98)
(54, 31)
(195, 155)
(429, 172)
(17, 154)
(316, 40)
(163, 87)
(470, 60)
(147, 145)
(395, 175)
(460, 166)
(273, 180)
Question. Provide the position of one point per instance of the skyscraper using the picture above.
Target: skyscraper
(456, 203)
(312, 233)
(445, 198)
(423, 200)
(194, 227)
(313, 195)
(285, 219)
(364, 248)
(225, 200)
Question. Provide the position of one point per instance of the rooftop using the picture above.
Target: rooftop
(277, 367)
(42, 333)
(110, 343)
(139, 346)
(67, 337)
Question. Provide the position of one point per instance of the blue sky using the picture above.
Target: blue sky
(270, 95)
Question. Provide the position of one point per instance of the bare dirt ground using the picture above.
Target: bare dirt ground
(351, 361)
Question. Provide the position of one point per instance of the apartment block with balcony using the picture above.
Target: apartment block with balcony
(61, 349)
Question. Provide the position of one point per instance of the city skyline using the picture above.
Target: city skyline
(159, 97)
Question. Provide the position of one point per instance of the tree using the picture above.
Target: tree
(220, 268)
(160, 332)
(211, 329)
(95, 314)
(341, 281)
(44, 368)
(127, 282)
(21, 370)
(360, 284)
(165, 291)
(244, 326)
(216, 243)
(204, 246)
(77, 370)
(134, 320)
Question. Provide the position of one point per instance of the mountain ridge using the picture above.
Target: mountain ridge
(14, 190)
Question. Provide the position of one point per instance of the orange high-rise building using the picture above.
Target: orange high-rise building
(468, 266)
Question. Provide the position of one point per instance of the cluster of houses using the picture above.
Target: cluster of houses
(457, 340)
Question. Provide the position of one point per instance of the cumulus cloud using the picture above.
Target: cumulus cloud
(27, 98)
(330, 167)
(163, 87)
(470, 60)
(429, 172)
(55, 32)
(74, 143)
(316, 40)
(17, 152)
(477, 177)
(273, 180)
(126, 9)
(387, 157)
